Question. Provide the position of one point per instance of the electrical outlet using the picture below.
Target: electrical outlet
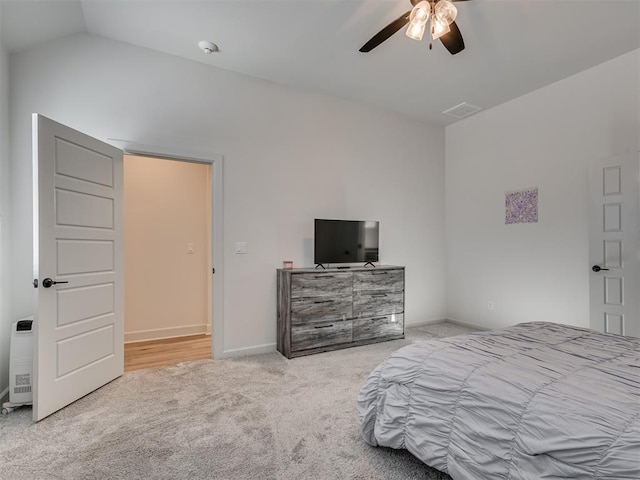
(190, 248)
(489, 305)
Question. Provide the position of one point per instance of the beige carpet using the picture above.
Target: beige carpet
(260, 417)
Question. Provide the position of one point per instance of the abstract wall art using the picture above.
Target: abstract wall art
(521, 206)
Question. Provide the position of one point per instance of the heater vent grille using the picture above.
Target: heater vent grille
(23, 379)
(462, 110)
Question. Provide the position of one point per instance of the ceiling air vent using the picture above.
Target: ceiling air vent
(462, 110)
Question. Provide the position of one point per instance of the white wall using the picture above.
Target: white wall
(289, 155)
(5, 317)
(536, 271)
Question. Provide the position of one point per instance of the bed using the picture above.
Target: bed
(534, 401)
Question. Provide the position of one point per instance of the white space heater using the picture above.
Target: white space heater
(20, 365)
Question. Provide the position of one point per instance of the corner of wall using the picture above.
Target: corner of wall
(5, 320)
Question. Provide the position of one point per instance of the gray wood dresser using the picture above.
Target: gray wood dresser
(321, 310)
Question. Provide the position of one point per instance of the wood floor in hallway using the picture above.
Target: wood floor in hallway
(168, 351)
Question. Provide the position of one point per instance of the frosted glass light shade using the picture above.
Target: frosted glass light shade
(439, 29)
(420, 13)
(445, 11)
(418, 20)
(416, 31)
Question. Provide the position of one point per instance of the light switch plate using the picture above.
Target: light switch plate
(241, 247)
(190, 248)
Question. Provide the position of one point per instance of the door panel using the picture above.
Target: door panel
(84, 303)
(614, 244)
(77, 243)
(613, 324)
(76, 161)
(85, 256)
(82, 210)
(84, 349)
(613, 290)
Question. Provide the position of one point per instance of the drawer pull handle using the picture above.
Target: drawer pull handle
(323, 301)
(323, 276)
(324, 326)
(378, 318)
(378, 294)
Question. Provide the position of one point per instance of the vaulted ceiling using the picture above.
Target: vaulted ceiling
(512, 46)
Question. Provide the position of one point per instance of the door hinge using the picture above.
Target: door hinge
(213, 270)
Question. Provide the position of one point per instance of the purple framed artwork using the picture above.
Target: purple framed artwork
(521, 206)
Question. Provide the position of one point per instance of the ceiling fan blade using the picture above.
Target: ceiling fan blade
(453, 39)
(386, 32)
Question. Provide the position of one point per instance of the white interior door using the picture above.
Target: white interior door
(78, 265)
(614, 246)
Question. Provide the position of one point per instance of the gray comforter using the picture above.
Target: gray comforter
(533, 401)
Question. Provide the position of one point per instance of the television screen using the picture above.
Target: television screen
(345, 241)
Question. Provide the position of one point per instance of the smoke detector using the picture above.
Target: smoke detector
(207, 47)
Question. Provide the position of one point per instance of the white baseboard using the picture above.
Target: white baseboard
(241, 352)
(4, 393)
(169, 332)
(425, 322)
(450, 320)
(468, 324)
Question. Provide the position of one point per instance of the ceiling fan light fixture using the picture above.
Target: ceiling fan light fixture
(418, 20)
(420, 13)
(416, 31)
(445, 11)
(440, 17)
(439, 29)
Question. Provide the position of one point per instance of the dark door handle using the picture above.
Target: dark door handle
(597, 268)
(47, 282)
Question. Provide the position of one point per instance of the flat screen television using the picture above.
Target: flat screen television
(345, 241)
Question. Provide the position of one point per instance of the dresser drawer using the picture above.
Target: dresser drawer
(369, 304)
(313, 284)
(390, 280)
(314, 336)
(381, 326)
(321, 309)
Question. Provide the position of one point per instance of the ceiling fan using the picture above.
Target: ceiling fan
(442, 14)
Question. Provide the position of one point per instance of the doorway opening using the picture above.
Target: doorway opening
(167, 261)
